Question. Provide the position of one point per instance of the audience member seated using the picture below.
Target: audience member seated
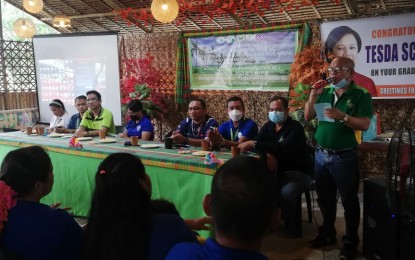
(238, 129)
(96, 118)
(75, 120)
(28, 228)
(139, 124)
(121, 224)
(242, 204)
(282, 142)
(60, 117)
(165, 206)
(194, 128)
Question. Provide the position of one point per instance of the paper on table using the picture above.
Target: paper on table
(319, 108)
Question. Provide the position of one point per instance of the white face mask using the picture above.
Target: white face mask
(235, 115)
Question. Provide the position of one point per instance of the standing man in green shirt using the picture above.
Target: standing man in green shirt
(336, 160)
(96, 118)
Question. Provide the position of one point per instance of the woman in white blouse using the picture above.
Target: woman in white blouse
(60, 118)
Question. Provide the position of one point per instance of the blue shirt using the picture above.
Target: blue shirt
(136, 129)
(74, 121)
(189, 129)
(246, 127)
(36, 231)
(168, 230)
(211, 250)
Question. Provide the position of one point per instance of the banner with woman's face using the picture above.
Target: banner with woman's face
(383, 49)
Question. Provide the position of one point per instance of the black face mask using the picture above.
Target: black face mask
(135, 117)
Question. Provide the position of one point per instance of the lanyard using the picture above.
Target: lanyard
(57, 121)
(234, 134)
(196, 131)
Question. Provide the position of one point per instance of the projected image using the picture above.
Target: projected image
(68, 66)
(68, 79)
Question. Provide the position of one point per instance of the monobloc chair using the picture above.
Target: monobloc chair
(310, 150)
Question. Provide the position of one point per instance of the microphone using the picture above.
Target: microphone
(323, 83)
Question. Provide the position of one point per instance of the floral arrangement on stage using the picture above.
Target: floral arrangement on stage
(141, 81)
(307, 68)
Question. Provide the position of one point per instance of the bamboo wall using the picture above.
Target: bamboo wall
(18, 100)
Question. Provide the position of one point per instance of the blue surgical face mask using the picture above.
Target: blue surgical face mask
(276, 116)
(341, 84)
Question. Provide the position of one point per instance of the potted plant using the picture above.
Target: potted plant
(140, 81)
(307, 68)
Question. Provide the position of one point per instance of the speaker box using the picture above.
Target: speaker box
(379, 223)
(385, 236)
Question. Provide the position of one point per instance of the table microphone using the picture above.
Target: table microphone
(323, 83)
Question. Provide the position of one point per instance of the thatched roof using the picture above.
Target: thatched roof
(104, 15)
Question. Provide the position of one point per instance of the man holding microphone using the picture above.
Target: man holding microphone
(336, 160)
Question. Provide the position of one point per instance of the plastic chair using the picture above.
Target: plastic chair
(307, 193)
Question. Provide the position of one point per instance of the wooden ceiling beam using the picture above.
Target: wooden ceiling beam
(351, 6)
(112, 4)
(316, 11)
(191, 21)
(236, 18)
(382, 3)
(261, 18)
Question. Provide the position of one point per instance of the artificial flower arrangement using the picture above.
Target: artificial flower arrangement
(140, 81)
(307, 68)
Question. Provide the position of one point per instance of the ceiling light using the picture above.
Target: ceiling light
(164, 11)
(24, 28)
(61, 21)
(33, 6)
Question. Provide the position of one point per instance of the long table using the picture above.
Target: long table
(183, 179)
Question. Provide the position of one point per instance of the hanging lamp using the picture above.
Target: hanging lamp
(33, 6)
(24, 28)
(61, 21)
(164, 11)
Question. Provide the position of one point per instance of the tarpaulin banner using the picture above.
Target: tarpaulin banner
(383, 49)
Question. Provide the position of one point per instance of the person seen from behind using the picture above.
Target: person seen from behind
(242, 204)
(28, 228)
(121, 224)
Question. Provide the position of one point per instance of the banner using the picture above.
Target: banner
(257, 61)
(383, 49)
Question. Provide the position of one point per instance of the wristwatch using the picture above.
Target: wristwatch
(345, 118)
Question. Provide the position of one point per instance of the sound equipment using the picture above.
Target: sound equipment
(385, 235)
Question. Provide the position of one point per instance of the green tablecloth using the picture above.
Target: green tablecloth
(183, 179)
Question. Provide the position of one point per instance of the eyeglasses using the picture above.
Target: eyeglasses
(337, 69)
(91, 100)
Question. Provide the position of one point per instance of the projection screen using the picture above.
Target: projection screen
(68, 65)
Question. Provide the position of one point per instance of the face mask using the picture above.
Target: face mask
(235, 115)
(342, 83)
(135, 117)
(276, 116)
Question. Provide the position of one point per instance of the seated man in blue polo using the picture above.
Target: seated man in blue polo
(139, 124)
(194, 128)
(75, 121)
(240, 216)
(96, 118)
(238, 129)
